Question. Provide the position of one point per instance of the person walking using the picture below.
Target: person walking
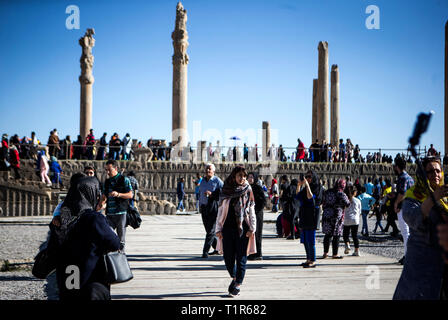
(236, 225)
(117, 191)
(309, 194)
(260, 202)
(209, 191)
(404, 182)
(44, 167)
(351, 220)
(180, 195)
(334, 203)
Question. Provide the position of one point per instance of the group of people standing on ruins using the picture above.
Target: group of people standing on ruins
(116, 148)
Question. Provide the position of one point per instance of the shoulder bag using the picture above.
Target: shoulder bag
(117, 267)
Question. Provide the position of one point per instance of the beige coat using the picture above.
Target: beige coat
(250, 219)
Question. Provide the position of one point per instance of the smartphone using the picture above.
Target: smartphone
(301, 177)
(445, 180)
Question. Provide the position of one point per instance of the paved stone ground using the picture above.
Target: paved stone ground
(165, 257)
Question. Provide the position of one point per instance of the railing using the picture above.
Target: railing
(193, 153)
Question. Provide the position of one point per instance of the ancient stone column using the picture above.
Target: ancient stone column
(314, 124)
(322, 87)
(87, 42)
(266, 139)
(180, 62)
(334, 105)
(446, 88)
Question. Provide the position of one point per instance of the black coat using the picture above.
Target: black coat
(260, 199)
(85, 247)
(291, 204)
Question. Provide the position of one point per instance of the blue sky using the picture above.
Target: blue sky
(250, 61)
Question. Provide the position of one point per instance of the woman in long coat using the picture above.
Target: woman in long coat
(334, 203)
(236, 224)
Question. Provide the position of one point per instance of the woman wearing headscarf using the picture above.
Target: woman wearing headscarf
(291, 206)
(80, 238)
(260, 202)
(309, 194)
(274, 195)
(334, 202)
(236, 226)
(425, 271)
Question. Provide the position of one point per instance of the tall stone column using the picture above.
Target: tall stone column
(266, 139)
(334, 104)
(315, 122)
(446, 88)
(87, 42)
(180, 62)
(322, 87)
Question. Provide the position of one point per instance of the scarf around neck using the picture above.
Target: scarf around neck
(244, 200)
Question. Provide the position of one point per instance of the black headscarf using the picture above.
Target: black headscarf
(315, 187)
(82, 196)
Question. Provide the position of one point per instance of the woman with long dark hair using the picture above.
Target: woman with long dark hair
(236, 226)
(309, 193)
(351, 220)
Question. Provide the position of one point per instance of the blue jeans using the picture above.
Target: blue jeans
(365, 228)
(310, 249)
(378, 224)
(181, 203)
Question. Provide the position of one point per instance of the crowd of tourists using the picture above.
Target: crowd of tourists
(232, 215)
(116, 148)
(307, 205)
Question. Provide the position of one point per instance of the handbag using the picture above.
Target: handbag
(44, 264)
(117, 267)
(133, 217)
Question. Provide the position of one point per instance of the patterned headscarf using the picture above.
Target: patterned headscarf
(244, 199)
(340, 185)
(420, 192)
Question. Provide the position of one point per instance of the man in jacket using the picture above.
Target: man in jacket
(208, 206)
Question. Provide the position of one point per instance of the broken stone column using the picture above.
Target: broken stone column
(266, 139)
(334, 105)
(314, 123)
(322, 87)
(180, 62)
(87, 42)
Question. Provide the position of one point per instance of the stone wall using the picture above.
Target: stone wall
(158, 181)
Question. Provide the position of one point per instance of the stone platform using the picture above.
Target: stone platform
(165, 257)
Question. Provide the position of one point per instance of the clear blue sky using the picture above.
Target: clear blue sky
(250, 61)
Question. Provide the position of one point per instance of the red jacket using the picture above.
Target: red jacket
(14, 158)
